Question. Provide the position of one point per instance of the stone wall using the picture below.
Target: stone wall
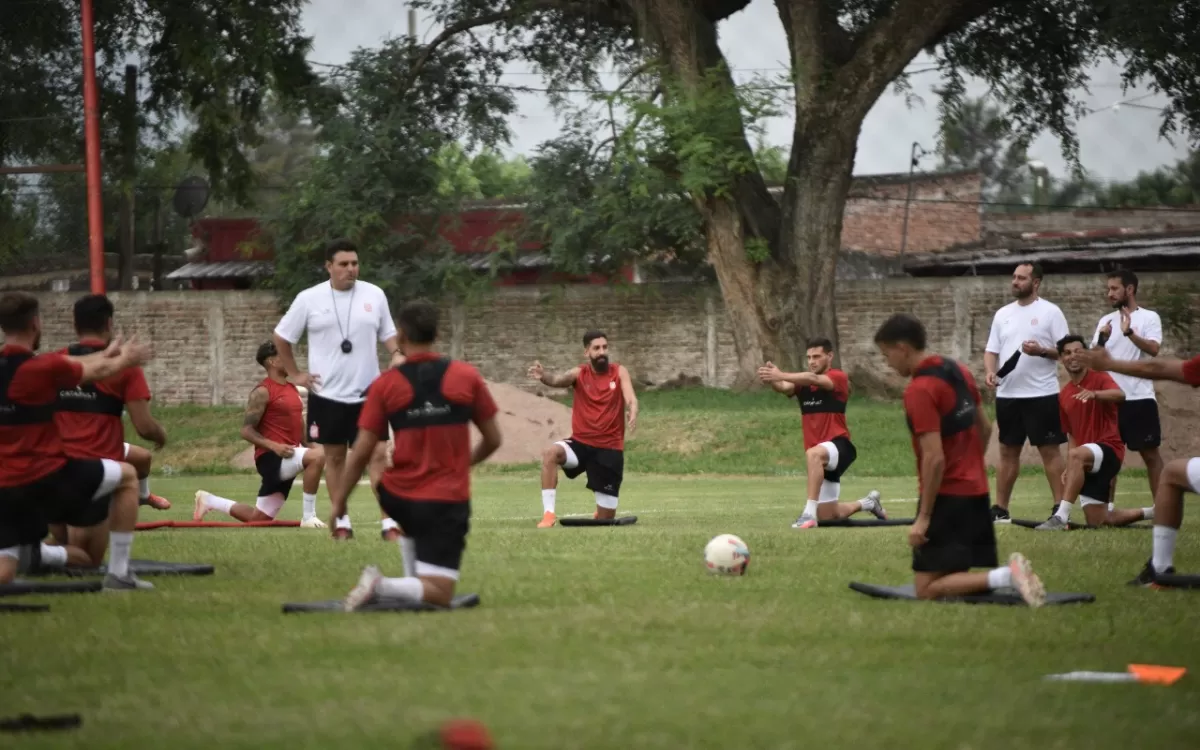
(205, 341)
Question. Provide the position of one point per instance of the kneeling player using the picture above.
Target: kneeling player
(822, 393)
(1089, 408)
(274, 425)
(602, 393)
(953, 530)
(429, 402)
(1178, 477)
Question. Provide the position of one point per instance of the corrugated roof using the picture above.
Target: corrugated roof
(233, 269)
(1112, 249)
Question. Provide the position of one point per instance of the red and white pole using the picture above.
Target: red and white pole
(91, 132)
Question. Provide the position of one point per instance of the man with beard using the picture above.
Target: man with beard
(1132, 333)
(1020, 363)
(822, 393)
(603, 392)
(1178, 477)
(1089, 403)
(953, 530)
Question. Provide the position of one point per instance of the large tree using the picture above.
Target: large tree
(844, 54)
(216, 60)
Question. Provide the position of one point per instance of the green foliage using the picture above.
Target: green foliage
(974, 135)
(380, 177)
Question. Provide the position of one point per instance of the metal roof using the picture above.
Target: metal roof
(1095, 251)
(233, 269)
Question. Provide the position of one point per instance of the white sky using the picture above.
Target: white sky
(1116, 143)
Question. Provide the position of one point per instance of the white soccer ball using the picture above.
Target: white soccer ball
(726, 555)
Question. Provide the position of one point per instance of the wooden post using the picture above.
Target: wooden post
(159, 244)
(129, 138)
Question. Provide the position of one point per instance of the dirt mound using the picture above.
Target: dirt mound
(1179, 411)
(527, 421)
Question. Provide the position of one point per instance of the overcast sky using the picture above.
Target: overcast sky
(1116, 143)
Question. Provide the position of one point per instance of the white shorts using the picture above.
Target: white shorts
(127, 447)
(1193, 474)
(291, 466)
(112, 477)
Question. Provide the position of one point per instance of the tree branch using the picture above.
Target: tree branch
(815, 40)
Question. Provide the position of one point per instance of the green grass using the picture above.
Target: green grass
(694, 431)
(610, 638)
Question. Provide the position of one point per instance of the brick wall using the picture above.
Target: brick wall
(944, 211)
(205, 342)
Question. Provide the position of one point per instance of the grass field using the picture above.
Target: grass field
(614, 638)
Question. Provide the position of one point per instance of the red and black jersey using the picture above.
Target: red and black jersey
(598, 408)
(89, 416)
(30, 447)
(1091, 421)
(430, 402)
(283, 419)
(823, 413)
(943, 398)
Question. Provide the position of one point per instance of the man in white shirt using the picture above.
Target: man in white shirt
(1021, 363)
(1132, 333)
(344, 318)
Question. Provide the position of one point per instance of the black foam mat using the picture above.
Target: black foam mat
(19, 587)
(1179, 581)
(859, 523)
(1010, 598)
(1072, 526)
(589, 521)
(142, 568)
(13, 607)
(462, 601)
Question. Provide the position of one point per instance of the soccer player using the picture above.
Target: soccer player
(1178, 477)
(1019, 359)
(1132, 333)
(603, 394)
(822, 393)
(1089, 403)
(39, 484)
(953, 529)
(344, 318)
(274, 425)
(429, 402)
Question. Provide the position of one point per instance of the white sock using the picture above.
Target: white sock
(548, 500)
(1112, 507)
(810, 508)
(1064, 510)
(221, 504)
(408, 553)
(1148, 513)
(143, 488)
(999, 578)
(1164, 548)
(310, 505)
(54, 556)
(407, 589)
(388, 523)
(119, 545)
(343, 522)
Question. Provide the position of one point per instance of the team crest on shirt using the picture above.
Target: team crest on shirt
(314, 432)
(1033, 322)
(367, 307)
(612, 385)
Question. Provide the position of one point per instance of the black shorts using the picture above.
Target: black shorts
(268, 465)
(332, 422)
(1139, 424)
(1033, 419)
(605, 467)
(961, 536)
(438, 529)
(68, 496)
(846, 456)
(1096, 485)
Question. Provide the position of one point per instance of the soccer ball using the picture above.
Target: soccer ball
(726, 555)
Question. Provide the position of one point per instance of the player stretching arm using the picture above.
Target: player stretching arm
(274, 425)
(822, 393)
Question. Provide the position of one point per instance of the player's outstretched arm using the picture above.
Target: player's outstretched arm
(256, 404)
(560, 380)
(1162, 368)
(117, 356)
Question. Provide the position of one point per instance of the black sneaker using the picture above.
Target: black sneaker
(1000, 515)
(1149, 577)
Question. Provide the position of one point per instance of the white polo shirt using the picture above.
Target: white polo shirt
(359, 314)
(1012, 326)
(1146, 324)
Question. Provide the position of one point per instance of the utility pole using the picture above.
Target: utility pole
(913, 159)
(412, 25)
(129, 139)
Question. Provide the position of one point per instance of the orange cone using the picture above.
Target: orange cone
(465, 734)
(1153, 674)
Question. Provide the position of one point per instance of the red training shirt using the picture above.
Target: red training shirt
(30, 452)
(598, 409)
(1191, 371)
(821, 427)
(283, 419)
(1091, 421)
(926, 400)
(429, 463)
(101, 435)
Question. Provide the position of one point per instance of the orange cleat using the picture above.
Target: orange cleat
(548, 520)
(156, 501)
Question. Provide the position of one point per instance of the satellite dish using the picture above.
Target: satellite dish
(191, 196)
